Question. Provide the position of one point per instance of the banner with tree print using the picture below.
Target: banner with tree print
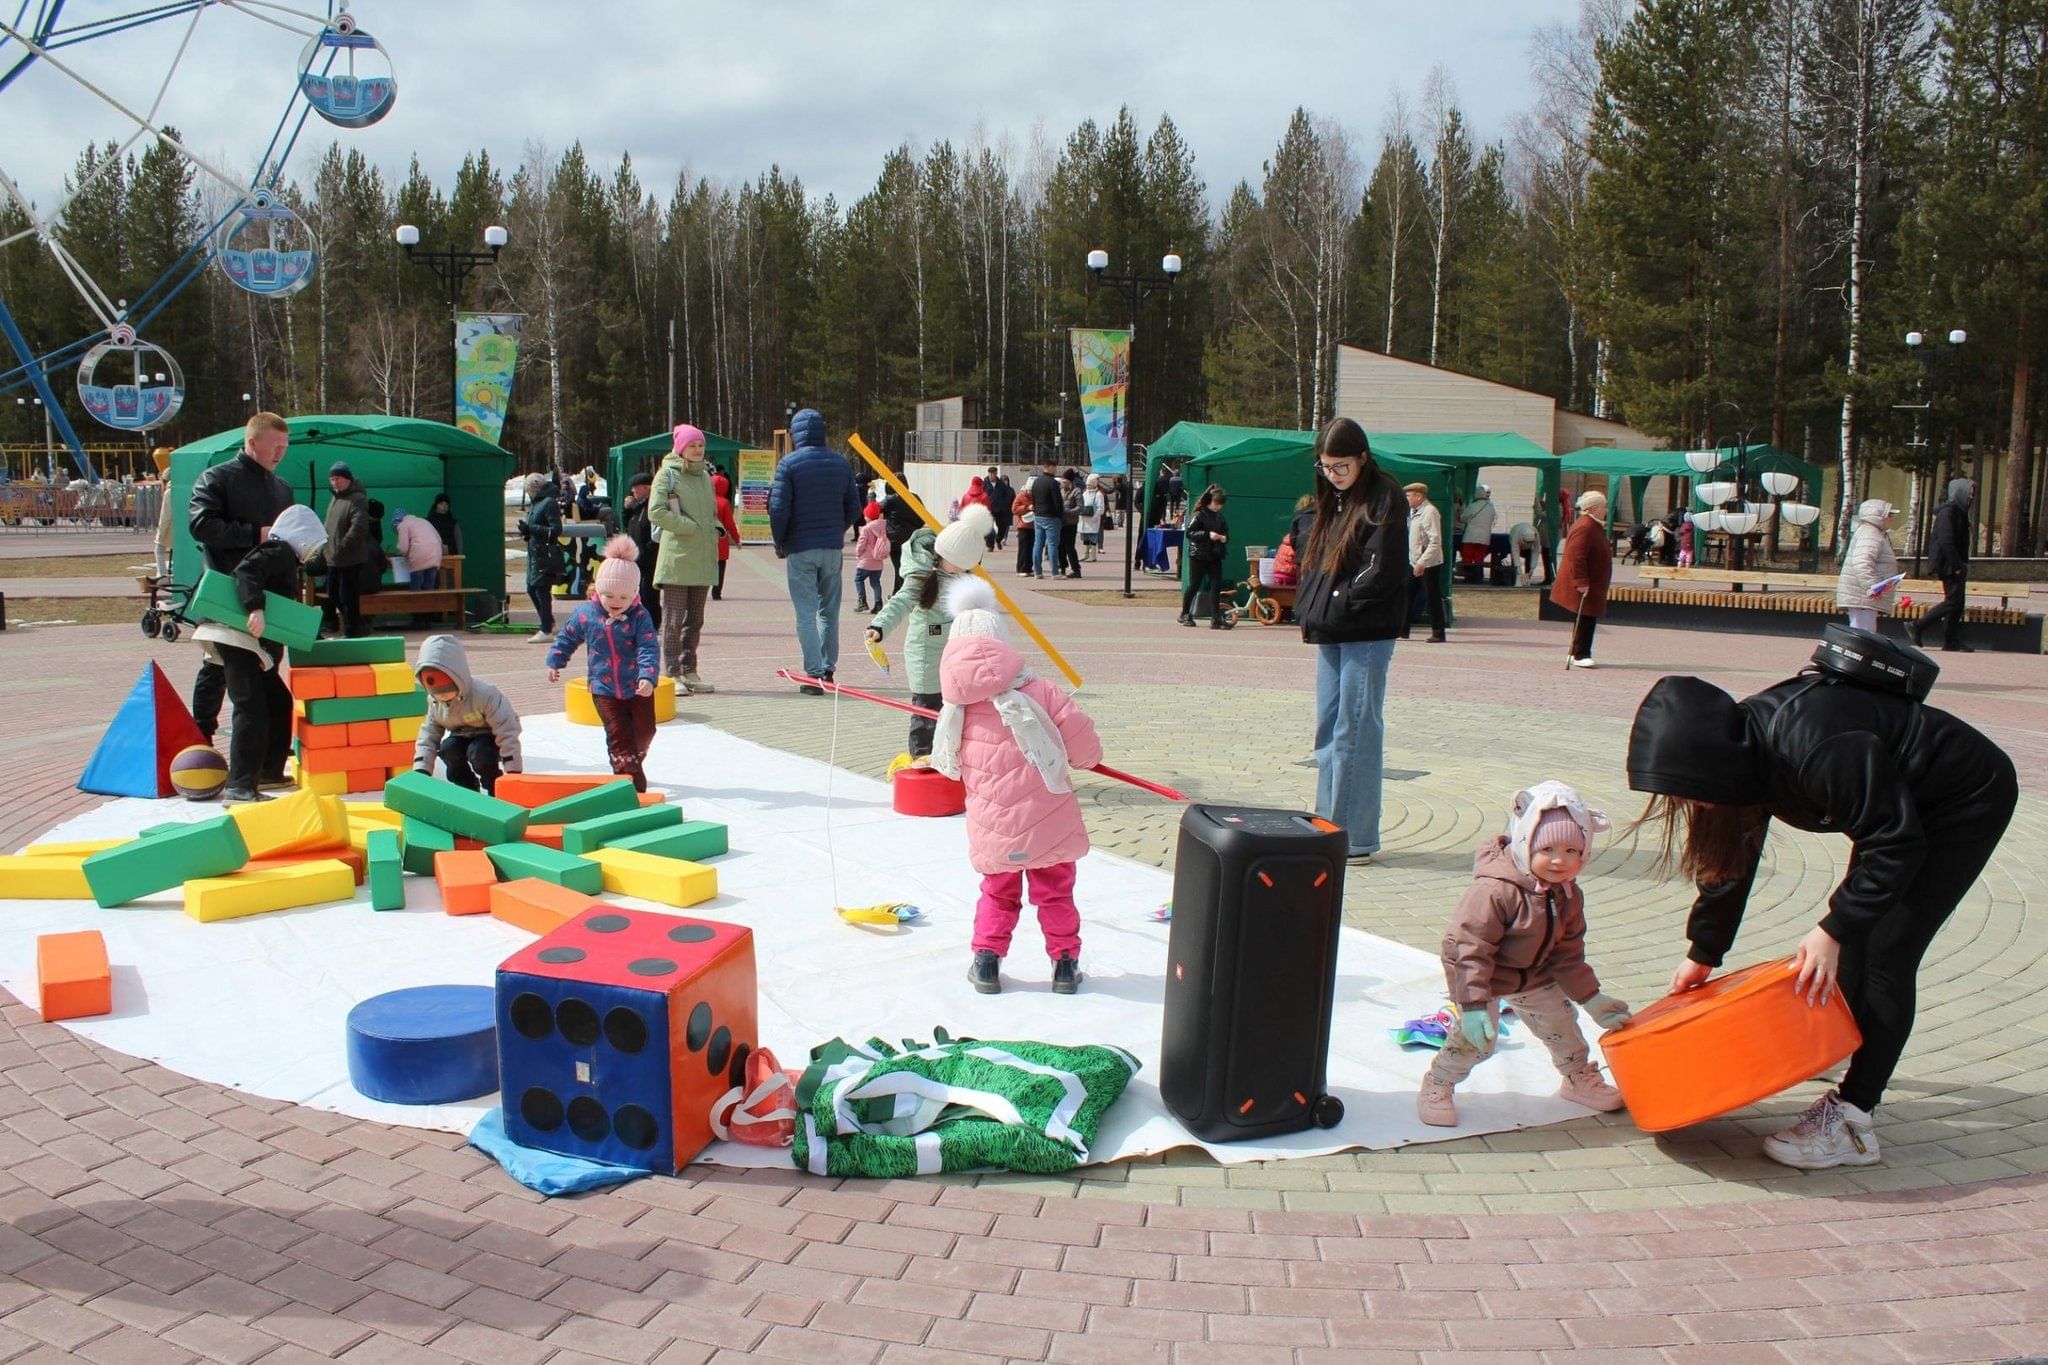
(1102, 372)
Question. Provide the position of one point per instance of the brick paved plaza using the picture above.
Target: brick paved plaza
(145, 1217)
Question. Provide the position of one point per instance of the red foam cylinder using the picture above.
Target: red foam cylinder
(926, 791)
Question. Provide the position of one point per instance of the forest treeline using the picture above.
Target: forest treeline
(1718, 216)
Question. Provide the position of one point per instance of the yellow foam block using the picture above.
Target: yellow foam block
(323, 784)
(81, 849)
(406, 729)
(375, 811)
(393, 678)
(208, 899)
(291, 824)
(582, 711)
(36, 878)
(671, 881)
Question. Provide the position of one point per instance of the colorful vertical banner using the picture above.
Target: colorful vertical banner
(1102, 377)
(756, 470)
(486, 351)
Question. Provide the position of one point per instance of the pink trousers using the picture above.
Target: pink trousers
(1002, 899)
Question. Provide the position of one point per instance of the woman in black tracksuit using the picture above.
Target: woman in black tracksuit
(1208, 537)
(1924, 799)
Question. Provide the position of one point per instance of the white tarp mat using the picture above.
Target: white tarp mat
(258, 1004)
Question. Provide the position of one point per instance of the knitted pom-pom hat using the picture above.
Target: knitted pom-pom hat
(619, 571)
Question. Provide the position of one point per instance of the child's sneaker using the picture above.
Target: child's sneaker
(1433, 1104)
(1832, 1132)
(1588, 1087)
(1066, 975)
(985, 972)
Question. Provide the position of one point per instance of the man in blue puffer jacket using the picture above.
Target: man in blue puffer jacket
(811, 508)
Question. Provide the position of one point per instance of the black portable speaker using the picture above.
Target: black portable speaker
(1869, 660)
(1251, 972)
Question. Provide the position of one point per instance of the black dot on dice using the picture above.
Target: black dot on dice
(736, 1074)
(625, 1030)
(650, 966)
(699, 1027)
(720, 1049)
(588, 1120)
(541, 1109)
(636, 1127)
(692, 933)
(561, 955)
(606, 924)
(578, 1023)
(531, 1016)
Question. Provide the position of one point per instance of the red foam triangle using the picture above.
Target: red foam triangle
(175, 728)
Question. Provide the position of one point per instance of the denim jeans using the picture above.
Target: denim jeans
(1045, 552)
(1351, 737)
(814, 585)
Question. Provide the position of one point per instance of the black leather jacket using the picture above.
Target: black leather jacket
(231, 504)
(1368, 600)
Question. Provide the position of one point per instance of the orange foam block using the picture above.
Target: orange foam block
(653, 798)
(354, 680)
(72, 976)
(537, 789)
(311, 684)
(358, 780)
(536, 906)
(356, 758)
(466, 878)
(363, 733)
(322, 736)
(550, 835)
(1738, 1039)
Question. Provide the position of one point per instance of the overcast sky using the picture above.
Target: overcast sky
(822, 87)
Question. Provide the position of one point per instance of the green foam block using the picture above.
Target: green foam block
(692, 841)
(420, 842)
(367, 649)
(384, 706)
(208, 848)
(587, 836)
(514, 861)
(386, 870)
(609, 799)
(285, 622)
(472, 815)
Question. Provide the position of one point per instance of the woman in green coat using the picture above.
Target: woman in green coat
(931, 564)
(684, 510)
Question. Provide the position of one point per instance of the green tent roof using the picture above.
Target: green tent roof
(1472, 449)
(1191, 440)
(624, 461)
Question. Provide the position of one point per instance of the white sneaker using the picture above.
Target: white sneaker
(1584, 663)
(539, 637)
(1832, 1132)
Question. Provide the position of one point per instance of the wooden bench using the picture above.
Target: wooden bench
(1657, 576)
(444, 601)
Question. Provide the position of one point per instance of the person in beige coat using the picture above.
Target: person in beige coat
(1869, 562)
(1426, 555)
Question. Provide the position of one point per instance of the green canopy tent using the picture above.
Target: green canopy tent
(1640, 466)
(401, 461)
(623, 462)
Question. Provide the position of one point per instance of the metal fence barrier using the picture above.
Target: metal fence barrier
(112, 504)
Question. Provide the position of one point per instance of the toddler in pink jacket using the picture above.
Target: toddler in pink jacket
(1014, 740)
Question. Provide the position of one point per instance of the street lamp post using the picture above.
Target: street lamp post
(49, 441)
(1135, 289)
(1931, 362)
(453, 267)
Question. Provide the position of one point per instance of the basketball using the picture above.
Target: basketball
(198, 773)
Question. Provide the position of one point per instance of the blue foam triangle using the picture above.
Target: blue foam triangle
(125, 764)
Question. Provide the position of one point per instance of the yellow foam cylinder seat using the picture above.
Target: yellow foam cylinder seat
(583, 711)
(669, 881)
(208, 899)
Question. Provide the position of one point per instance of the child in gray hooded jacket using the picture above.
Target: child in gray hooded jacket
(469, 723)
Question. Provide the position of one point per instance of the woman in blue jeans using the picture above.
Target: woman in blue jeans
(1351, 601)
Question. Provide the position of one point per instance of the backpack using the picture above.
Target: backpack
(1870, 660)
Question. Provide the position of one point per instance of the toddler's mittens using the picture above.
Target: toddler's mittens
(1476, 1022)
(1606, 1011)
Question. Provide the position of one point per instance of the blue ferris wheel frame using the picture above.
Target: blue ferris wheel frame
(32, 370)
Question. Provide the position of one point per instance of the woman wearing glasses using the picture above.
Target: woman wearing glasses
(1352, 602)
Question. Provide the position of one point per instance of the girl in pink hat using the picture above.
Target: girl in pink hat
(624, 658)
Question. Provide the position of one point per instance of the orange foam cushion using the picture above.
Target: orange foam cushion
(357, 758)
(365, 780)
(536, 906)
(537, 789)
(550, 835)
(354, 680)
(323, 736)
(311, 684)
(466, 877)
(72, 977)
(368, 732)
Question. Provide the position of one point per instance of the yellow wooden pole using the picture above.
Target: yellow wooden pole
(1030, 628)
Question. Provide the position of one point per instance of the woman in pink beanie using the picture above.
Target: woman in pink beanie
(624, 658)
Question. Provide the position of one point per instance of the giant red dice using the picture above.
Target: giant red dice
(617, 1031)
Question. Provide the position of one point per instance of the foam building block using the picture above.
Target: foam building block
(314, 737)
(652, 798)
(379, 758)
(285, 622)
(425, 1044)
(73, 980)
(465, 878)
(365, 649)
(404, 729)
(455, 809)
(371, 810)
(325, 784)
(537, 789)
(288, 824)
(79, 849)
(670, 881)
(352, 858)
(587, 836)
(550, 835)
(208, 848)
(618, 1031)
(387, 871)
(610, 798)
(536, 906)
(582, 710)
(211, 899)
(383, 706)
(693, 841)
(30, 877)
(514, 861)
(392, 677)
(308, 682)
(151, 728)
(421, 842)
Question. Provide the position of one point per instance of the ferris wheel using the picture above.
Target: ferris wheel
(124, 380)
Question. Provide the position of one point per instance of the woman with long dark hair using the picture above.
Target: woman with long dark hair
(1924, 799)
(1352, 601)
(1208, 539)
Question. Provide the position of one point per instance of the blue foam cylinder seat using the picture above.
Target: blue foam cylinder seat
(425, 1044)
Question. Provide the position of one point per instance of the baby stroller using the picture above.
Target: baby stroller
(165, 605)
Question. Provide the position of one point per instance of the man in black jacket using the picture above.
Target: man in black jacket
(1048, 512)
(1948, 558)
(901, 521)
(233, 506)
(1000, 498)
(348, 546)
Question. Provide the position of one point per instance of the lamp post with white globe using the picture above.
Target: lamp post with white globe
(1135, 290)
(1933, 364)
(453, 267)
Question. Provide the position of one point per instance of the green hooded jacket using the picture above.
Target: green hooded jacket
(684, 509)
(924, 637)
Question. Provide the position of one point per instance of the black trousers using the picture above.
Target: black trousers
(1950, 610)
(1204, 575)
(1880, 975)
(1582, 636)
(896, 565)
(1024, 548)
(344, 590)
(1430, 588)
(263, 716)
(543, 598)
(923, 727)
(472, 760)
(1070, 560)
(718, 588)
(209, 689)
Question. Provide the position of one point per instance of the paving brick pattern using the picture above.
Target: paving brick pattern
(144, 1216)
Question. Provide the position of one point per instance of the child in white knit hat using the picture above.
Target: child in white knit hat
(932, 563)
